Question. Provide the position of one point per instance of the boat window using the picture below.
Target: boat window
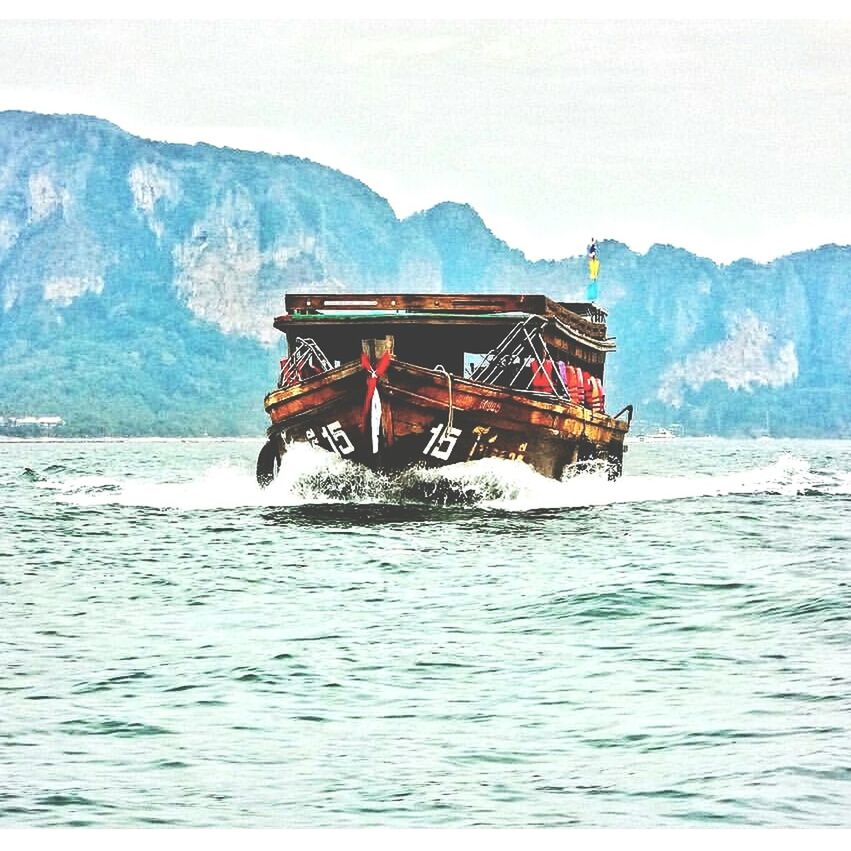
(472, 360)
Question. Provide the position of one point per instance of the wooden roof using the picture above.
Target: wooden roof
(436, 308)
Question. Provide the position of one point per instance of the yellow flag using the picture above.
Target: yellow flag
(593, 268)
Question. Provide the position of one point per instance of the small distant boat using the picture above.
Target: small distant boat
(660, 434)
(391, 381)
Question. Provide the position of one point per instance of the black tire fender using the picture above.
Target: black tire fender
(268, 463)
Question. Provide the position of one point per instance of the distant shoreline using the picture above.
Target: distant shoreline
(259, 438)
(139, 439)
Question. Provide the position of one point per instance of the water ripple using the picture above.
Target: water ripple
(470, 646)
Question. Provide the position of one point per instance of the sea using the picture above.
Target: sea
(474, 646)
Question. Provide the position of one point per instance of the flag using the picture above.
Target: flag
(593, 268)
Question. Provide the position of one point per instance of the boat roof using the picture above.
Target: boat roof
(584, 318)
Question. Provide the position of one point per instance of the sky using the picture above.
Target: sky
(729, 138)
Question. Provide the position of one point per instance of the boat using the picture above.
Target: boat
(660, 434)
(397, 380)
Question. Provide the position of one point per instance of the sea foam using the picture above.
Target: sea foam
(311, 476)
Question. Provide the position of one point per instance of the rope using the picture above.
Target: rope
(441, 368)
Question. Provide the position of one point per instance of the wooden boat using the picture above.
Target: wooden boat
(392, 381)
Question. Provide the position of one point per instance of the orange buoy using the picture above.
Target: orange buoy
(588, 384)
(596, 395)
(542, 375)
(570, 383)
(602, 407)
(577, 391)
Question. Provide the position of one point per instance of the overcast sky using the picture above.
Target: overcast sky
(729, 138)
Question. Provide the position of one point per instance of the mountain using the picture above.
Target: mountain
(138, 281)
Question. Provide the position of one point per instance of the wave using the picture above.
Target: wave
(312, 476)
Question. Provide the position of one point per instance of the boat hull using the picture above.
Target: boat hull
(427, 417)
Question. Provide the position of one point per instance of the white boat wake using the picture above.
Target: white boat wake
(312, 476)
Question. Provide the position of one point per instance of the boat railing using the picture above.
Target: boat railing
(305, 361)
(586, 310)
(505, 363)
(625, 410)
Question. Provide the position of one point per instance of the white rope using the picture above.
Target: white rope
(441, 368)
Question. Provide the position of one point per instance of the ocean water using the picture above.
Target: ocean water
(477, 646)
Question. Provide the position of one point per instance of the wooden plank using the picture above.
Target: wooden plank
(586, 308)
(375, 348)
(435, 302)
(324, 320)
(424, 309)
(591, 324)
(581, 315)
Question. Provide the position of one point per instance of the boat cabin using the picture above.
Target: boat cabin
(459, 332)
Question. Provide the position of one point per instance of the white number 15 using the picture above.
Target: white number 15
(441, 447)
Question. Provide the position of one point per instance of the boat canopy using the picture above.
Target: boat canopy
(428, 329)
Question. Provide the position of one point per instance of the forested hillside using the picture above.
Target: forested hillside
(138, 281)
